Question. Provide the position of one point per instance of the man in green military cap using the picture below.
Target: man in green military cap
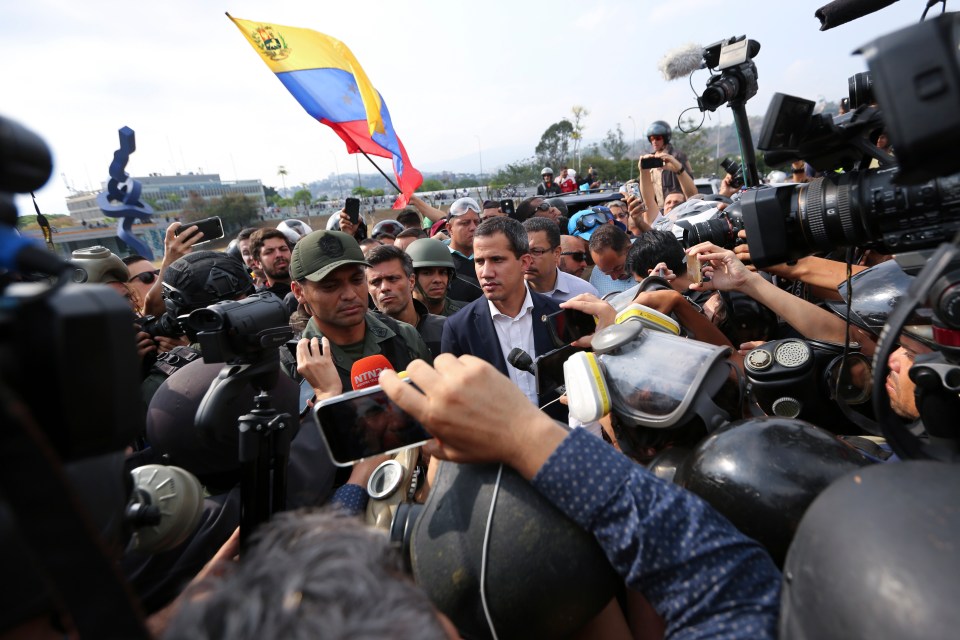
(329, 280)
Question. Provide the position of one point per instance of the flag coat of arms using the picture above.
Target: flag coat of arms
(327, 80)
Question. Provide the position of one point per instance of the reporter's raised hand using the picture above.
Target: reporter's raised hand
(669, 162)
(475, 413)
(145, 344)
(176, 246)
(602, 311)
(315, 364)
(725, 271)
(346, 225)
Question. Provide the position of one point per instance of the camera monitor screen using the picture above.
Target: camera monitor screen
(366, 423)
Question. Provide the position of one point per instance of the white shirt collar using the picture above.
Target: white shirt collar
(524, 308)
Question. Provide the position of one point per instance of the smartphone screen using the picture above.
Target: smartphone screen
(352, 207)
(651, 163)
(211, 228)
(550, 368)
(361, 424)
(570, 325)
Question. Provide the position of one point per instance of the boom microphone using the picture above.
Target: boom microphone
(681, 62)
(365, 372)
(841, 12)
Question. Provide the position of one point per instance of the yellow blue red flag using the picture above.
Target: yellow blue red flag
(327, 80)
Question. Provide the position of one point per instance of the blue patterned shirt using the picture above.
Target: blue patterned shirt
(704, 577)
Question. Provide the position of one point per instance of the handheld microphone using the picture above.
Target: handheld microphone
(365, 372)
(520, 359)
(841, 12)
(682, 61)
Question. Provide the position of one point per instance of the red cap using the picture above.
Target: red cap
(365, 372)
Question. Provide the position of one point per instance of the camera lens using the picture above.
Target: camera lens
(860, 88)
(850, 209)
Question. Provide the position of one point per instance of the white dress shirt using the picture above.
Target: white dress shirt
(568, 286)
(513, 332)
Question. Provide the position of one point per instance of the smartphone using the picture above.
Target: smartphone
(352, 207)
(569, 325)
(211, 228)
(549, 368)
(633, 189)
(651, 163)
(506, 206)
(694, 269)
(366, 423)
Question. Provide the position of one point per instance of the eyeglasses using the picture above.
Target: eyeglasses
(538, 252)
(578, 256)
(543, 206)
(147, 277)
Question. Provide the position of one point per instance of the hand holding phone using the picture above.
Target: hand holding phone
(650, 162)
(352, 207)
(211, 228)
(362, 424)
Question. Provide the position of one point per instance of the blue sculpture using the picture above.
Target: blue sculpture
(122, 197)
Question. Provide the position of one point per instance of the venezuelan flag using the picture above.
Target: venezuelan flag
(327, 80)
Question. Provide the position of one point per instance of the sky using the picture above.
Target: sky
(469, 85)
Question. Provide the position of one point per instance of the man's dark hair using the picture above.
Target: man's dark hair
(133, 257)
(310, 575)
(388, 252)
(245, 233)
(546, 225)
(369, 242)
(652, 248)
(258, 237)
(526, 209)
(513, 230)
(383, 235)
(411, 233)
(612, 236)
(409, 219)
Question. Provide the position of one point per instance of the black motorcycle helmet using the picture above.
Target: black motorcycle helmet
(545, 576)
(202, 278)
(763, 473)
(876, 557)
(660, 128)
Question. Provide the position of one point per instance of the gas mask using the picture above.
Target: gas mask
(647, 379)
(793, 378)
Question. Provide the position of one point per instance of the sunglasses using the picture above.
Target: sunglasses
(656, 137)
(578, 256)
(147, 277)
(543, 206)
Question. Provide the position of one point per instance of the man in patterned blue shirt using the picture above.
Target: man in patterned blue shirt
(702, 576)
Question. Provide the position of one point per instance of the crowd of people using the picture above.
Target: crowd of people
(449, 296)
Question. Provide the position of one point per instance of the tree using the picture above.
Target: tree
(362, 192)
(579, 114)
(235, 210)
(195, 208)
(431, 184)
(555, 143)
(524, 172)
(615, 145)
(269, 193)
(282, 172)
(303, 196)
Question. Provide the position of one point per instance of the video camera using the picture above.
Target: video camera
(737, 80)
(905, 204)
(69, 506)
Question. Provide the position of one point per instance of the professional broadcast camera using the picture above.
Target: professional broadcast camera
(908, 203)
(68, 505)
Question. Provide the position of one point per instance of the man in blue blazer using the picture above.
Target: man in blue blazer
(509, 314)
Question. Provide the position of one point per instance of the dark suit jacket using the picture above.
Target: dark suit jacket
(471, 331)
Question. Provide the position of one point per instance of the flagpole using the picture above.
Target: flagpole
(377, 167)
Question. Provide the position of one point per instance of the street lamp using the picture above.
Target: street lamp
(634, 142)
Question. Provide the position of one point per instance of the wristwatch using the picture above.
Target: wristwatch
(682, 169)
